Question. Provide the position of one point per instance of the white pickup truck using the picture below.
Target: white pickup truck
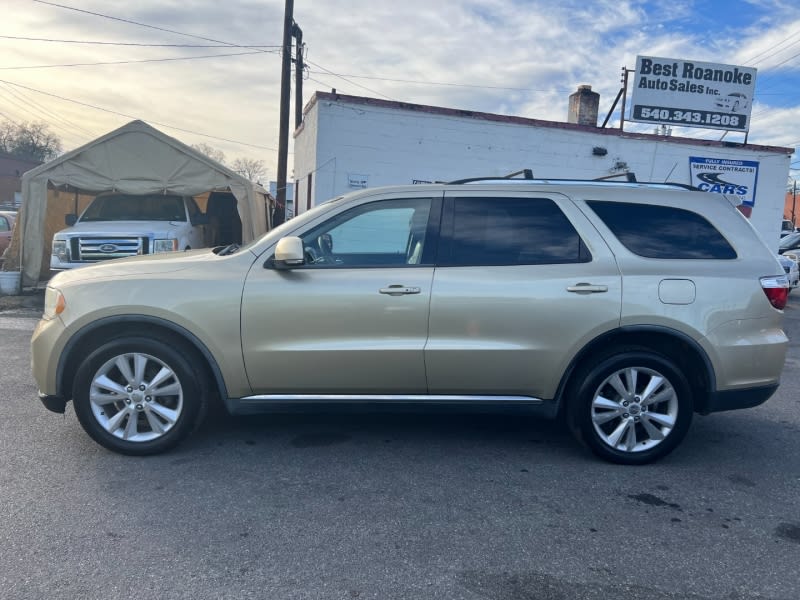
(118, 225)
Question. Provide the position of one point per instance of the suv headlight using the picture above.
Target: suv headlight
(61, 250)
(165, 246)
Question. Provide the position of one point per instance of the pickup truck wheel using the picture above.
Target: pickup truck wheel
(633, 407)
(137, 396)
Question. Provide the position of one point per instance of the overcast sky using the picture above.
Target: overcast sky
(514, 57)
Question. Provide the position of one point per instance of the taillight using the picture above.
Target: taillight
(777, 290)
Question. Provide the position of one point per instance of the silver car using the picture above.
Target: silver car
(623, 307)
(789, 263)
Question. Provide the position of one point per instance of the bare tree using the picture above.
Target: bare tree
(7, 131)
(32, 140)
(250, 167)
(210, 152)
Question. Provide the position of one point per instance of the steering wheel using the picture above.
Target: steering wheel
(312, 255)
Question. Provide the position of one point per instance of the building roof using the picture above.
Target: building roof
(15, 166)
(527, 122)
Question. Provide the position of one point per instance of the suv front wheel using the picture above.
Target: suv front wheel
(632, 407)
(137, 395)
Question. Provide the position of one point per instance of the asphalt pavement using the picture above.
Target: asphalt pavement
(412, 505)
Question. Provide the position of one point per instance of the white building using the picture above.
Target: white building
(351, 142)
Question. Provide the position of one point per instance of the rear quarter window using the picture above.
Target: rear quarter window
(663, 231)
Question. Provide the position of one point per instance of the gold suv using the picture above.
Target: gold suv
(624, 307)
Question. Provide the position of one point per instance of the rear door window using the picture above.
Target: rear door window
(509, 231)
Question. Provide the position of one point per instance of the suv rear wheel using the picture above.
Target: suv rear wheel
(137, 396)
(632, 407)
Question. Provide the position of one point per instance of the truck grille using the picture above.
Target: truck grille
(105, 248)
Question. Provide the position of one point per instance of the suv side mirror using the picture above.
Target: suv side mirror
(70, 219)
(289, 252)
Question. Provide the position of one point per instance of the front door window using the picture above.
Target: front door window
(380, 234)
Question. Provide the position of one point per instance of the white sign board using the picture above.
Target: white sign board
(357, 180)
(692, 94)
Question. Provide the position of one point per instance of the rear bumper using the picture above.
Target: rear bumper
(736, 399)
(56, 404)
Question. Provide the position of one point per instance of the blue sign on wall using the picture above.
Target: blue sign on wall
(733, 178)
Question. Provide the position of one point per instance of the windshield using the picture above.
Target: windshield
(126, 207)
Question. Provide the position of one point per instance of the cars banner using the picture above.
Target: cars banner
(736, 179)
(692, 94)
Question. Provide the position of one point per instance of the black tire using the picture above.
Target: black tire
(165, 393)
(621, 423)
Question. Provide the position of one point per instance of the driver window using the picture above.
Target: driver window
(382, 233)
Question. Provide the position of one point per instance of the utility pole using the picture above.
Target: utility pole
(298, 75)
(794, 203)
(625, 71)
(279, 216)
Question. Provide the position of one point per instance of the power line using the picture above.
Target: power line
(155, 27)
(102, 43)
(114, 112)
(760, 54)
(30, 102)
(23, 105)
(7, 118)
(226, 44)
(441, 83)
(17, 103)
(783, 62)
(127, 62)
(164, 29)
(329, 72)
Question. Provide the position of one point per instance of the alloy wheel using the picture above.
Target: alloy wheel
(136, 397)
(634, 409)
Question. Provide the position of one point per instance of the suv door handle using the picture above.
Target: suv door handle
(399, 290)
(587, 288)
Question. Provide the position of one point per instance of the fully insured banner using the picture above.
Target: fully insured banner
(736, 179)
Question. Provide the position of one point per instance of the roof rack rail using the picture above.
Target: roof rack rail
(629, 176)
(526, 174)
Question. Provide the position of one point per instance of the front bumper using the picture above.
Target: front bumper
(57, 265)
(47, 344)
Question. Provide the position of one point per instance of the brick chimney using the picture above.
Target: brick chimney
(583, 106)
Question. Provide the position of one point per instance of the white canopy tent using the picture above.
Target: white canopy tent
(134, 159)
